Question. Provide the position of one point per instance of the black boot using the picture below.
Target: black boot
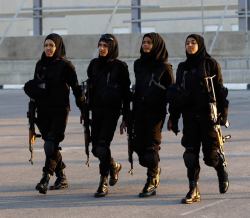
(222, 178)
(102, 190)
(61, 181)
(193, 194)
(114, 172)
(42, 186)
(151, 185)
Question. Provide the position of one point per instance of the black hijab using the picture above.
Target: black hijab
(200, 55)
(159, 52)
(60, 48)
(112, 46)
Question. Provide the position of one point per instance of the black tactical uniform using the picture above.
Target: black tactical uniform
(50, 90)
(109, 97)
(153, 75)
(192, 102)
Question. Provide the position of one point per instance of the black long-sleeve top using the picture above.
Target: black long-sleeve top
(109, 85)
(192, 81)
(152, 80)
(58, 75)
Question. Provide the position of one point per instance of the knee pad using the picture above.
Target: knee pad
(212, 158)
(49, 148)
(190, 159)
(101, 152)
(149, 159)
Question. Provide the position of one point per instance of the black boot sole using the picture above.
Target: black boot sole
(100, 195)
(147, 194)
(41, 189)
(186, 201)
(53, 187)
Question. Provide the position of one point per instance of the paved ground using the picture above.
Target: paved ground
(18, 178)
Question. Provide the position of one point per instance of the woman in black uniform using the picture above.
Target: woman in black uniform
(153, 75)
(109, 82)
(49, 92)
(198, 128)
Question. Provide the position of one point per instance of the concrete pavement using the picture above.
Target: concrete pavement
(18, 178)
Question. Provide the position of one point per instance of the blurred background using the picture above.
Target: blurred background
(24, 24)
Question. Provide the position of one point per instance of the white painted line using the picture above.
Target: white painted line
(63, 149)
(204, 207)
(236, 86)
(13, 86)
(230, 86)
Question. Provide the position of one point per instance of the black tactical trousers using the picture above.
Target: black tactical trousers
(148, 127)
(104, 122)
(52, 124)
(198, 132)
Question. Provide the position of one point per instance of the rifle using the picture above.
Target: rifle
(214, 117)
(130, 132)
(31, 115)
(85, 112)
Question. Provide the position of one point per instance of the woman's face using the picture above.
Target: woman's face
(147, 44)
(191, 46)
(103, 49)
(49, 48)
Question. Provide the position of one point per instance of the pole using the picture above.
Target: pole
(136, 16)
(37, 18)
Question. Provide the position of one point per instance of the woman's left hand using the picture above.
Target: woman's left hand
(123, 127)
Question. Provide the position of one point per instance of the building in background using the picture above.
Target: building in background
(224, 24)
(74, 17)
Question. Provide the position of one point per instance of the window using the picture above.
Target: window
(235, 27)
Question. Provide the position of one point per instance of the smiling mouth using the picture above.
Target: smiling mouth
(48, 53)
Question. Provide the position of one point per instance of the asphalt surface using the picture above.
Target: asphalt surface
(18, 197)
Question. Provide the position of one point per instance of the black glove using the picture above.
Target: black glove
(173, 125)
(222, 120)
(80, 102)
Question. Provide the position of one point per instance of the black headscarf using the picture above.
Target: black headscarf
(112, 46)
(194, 59)
(158, 52)
(60, 48)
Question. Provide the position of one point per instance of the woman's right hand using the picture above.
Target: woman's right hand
(173, 126)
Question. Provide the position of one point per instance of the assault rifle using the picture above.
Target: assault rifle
(31, 115)
(214, 116)
(85, 113)
(130, 132)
